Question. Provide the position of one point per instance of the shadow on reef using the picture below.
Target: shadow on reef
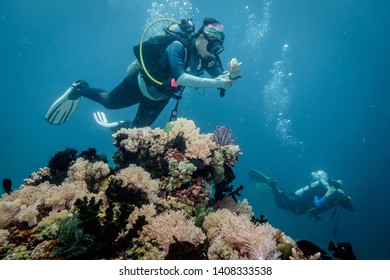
(168, 197)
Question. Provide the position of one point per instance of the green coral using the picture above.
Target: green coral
(20, 253)
(49, 231)
(201, 212)
(169, 127)
(223, 252)
(181, 173)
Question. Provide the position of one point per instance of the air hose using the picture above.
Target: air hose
(141, 44)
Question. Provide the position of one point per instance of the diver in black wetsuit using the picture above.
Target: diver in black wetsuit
(182, 65)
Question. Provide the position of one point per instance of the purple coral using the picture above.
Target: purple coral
(222, 136)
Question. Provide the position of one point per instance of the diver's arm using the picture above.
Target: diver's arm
(221, 81)
(176, 54)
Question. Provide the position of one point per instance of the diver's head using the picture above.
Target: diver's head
(210, 38)
(319, 175)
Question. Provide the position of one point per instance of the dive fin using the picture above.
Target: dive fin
(263, 188)
(64, 107)
(259, 177)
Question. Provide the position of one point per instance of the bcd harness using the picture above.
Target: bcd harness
(150, 52)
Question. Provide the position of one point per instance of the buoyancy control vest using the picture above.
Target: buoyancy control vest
(150, 53)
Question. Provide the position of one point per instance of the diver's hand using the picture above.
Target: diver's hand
(223, 81)
(101, 120)
(331, 192)
(234, 68)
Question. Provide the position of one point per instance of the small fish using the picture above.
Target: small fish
(309, 249)
(343, 251)
(7, 185)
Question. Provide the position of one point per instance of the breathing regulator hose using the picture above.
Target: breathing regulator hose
(141, 45)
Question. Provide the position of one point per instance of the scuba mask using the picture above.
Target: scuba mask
(214, 34)
(215, 46)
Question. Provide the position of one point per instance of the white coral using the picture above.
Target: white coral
(8, 210)
(136, 177)
(83, 170)
(168, 227)
(4, 234)
(28, 214)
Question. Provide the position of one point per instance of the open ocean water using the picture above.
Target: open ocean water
(314, 94)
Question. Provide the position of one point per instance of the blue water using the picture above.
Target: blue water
(314, 95)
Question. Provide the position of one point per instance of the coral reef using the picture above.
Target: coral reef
(169, 196)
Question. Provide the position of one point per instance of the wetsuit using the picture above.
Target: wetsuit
(175, 61)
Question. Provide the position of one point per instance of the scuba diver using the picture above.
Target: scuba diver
(165, 65)
(317, 197)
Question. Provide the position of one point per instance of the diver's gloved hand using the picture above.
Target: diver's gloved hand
(234, 69)
(339, 194)
(101, 120)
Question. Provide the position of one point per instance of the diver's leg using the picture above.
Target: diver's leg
(284, 202)
(148, 111)
(124, 95)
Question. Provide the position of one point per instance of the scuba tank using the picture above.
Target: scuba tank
(320, 179)
(312, 188)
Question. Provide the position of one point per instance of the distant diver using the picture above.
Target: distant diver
(317, 197)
